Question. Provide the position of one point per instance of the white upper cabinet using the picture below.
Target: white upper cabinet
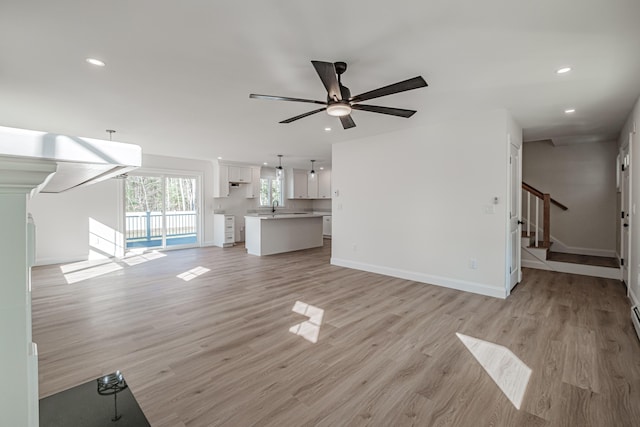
(297, 184)
(225, 173)
(302, 186)
(220, 180)
(253, 189)
(239, 174)
(324, 184)
(312, 186)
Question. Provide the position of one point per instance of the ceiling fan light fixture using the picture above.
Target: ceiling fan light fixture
(339, 109)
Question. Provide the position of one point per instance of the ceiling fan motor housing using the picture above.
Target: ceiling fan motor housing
(340, 67)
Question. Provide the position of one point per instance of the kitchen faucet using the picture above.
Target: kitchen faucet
(274, 205)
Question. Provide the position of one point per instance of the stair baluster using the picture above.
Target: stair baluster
(546, 214)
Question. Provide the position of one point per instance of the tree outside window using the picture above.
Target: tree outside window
(270, 190)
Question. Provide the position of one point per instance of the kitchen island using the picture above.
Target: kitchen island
(267, 234)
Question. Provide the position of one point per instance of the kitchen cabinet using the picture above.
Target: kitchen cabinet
(326, 225)
(247, 175)
(324, 184)
(239, 174)
(265, 233)
(302, 186)
(297, 184)
(253, 188)
(220, 180)
(312, 186)
(224, 233)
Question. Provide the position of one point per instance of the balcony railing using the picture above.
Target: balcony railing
(145, 228)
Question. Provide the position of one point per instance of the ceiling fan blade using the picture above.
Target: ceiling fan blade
(347, 122)
(410, 84)
(400, 112)
(327, 73)
(285, 98)
(301, 116)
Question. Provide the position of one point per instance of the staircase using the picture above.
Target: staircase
(536, 242)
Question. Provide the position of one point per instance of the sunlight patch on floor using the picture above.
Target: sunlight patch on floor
(193, 273)
(138, 257)
(505, 368)
(79, 271)
(309, 329)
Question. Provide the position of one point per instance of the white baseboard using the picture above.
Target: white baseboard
(461, 285)
(633, 298)
(53, 260)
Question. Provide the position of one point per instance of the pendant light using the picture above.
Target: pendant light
(313, 172)
(279, 167)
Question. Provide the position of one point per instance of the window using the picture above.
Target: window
(270, 190)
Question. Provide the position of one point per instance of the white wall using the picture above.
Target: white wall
(63, 220)
(321, 205)
(633, 123)
(583, 178)
(416, 207)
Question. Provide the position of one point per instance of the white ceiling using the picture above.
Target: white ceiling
(178, 74)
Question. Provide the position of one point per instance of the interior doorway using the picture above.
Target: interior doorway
(162, 211)
(625, 221)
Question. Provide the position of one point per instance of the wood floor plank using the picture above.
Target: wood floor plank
(217, 350)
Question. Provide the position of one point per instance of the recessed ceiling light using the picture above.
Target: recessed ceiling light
(265, 163)
(219, 158)
(327, 129)
(96, 62)
(570, 110)
(563, 70)
(321, 168)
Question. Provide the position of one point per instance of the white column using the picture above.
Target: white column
(18, 355)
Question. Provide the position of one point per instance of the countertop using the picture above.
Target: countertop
(283, 215)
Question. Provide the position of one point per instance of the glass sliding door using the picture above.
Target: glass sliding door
(161, 211)
(143, 208)
(181, 216)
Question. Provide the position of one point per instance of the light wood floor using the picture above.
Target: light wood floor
(216, 350)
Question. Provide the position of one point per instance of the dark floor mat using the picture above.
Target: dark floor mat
(82, 406)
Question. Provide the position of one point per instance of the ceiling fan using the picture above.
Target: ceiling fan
(339, 101)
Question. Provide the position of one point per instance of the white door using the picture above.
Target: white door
(515, 185)
(625, 222)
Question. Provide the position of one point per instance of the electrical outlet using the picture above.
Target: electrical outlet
(355, 248)
(473, 263)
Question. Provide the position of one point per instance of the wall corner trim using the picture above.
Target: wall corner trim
(446, 282)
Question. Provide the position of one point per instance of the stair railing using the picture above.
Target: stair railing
(546, 213)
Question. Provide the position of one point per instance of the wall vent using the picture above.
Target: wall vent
(635, 318)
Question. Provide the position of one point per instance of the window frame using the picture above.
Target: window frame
(270, 180)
